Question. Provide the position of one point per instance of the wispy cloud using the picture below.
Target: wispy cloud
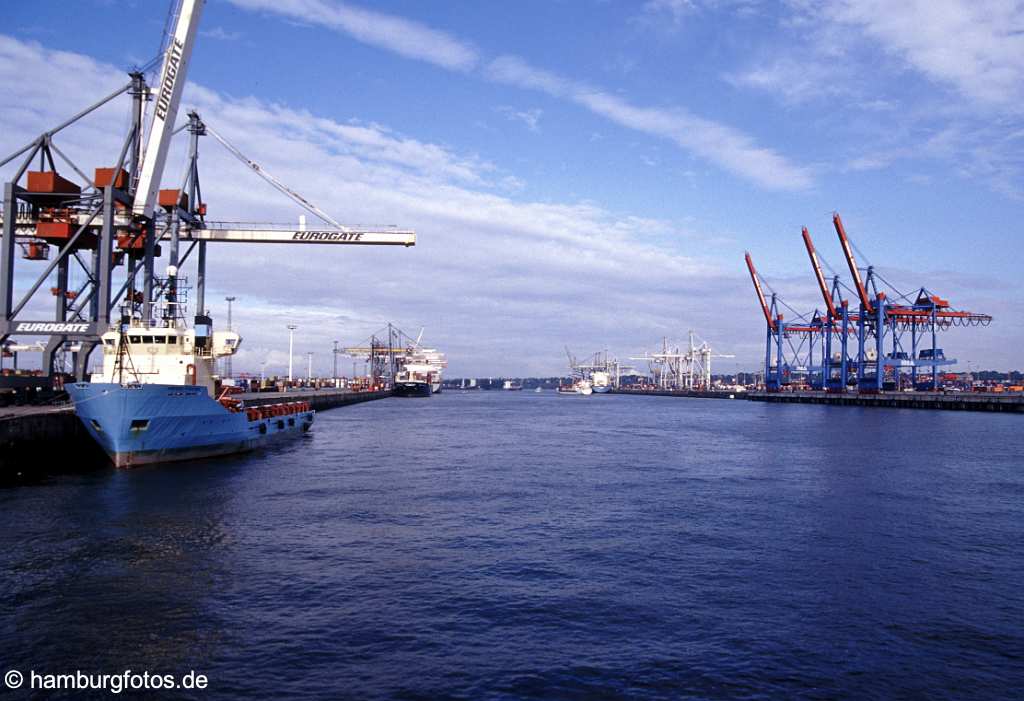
(947, 86)
(724, 146)
(221, 34)
(529, 117)
(720, 144)
(664, 13)
(405, 37)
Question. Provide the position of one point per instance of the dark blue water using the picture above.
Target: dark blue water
(515, 545)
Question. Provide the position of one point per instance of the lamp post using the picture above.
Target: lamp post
(336, 351)
(309, 367)
(291, 346)
(227, 358)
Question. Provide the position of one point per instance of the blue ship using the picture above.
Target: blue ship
(157, 398)
(138, 424)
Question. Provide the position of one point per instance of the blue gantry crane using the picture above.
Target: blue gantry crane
(889, 343)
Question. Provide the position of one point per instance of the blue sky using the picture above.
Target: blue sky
(584, 173)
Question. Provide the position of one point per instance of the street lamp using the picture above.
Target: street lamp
(309, 368)
(291, 345)
(336, 351)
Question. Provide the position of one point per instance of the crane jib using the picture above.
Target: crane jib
(163, 103)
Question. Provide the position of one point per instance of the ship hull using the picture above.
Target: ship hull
(146, 424)
(601, 389)
(412, 389)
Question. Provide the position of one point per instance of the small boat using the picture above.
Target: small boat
(539, 389)
(579, 387)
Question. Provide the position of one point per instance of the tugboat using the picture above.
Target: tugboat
(155, 399)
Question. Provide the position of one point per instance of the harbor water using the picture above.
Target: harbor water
(513, 545)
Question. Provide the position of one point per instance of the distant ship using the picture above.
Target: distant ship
(511, 386)
(601, 381)
(154, 400)
(414, 380)
(428, 362)
(579, 387)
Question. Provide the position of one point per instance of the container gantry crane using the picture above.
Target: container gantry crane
(121, 216)
(837, 366)
(879, 319)
(792, 350)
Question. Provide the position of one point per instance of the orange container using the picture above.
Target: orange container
(173, 198)
(105, 176)
(48, 181)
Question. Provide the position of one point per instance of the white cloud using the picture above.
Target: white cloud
(405, 37)
(975, 46)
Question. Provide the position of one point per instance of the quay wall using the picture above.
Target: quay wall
(679, 393)
(952, 401)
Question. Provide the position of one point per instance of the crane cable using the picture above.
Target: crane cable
(281, 187)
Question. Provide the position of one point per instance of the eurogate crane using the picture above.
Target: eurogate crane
(792, 353)
(120, 217)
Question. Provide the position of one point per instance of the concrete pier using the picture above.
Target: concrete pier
(679, 393)
(949, 401)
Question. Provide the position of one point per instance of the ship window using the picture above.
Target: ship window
(147, 339)
(135, 339)
(173, 340)
(263, 428)
(280, 424)
(139, 424)
(159, 339)
(108, 342)
(291, 422)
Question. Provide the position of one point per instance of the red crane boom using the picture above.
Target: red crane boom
(760, 292)
(844, 241)
(822, 285)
